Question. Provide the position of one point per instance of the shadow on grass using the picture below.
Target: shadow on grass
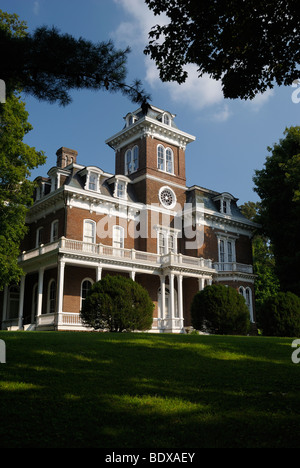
(147, 391)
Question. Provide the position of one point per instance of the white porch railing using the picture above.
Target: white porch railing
(132, 255)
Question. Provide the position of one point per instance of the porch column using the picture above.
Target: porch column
(40, 292)
(180, 299)
(98, 273)
(21, 302)
(61, 277)
(132, 275)
(172, 302)
(201, 282)
(162, 297)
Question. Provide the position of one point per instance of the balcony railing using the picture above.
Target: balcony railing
(106, 251)
(233, 266)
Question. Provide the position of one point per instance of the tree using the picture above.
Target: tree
(117, 303)
(266, 283)
(48, 64)
(221, 310)
(281, 315)
(248, 45)
(277, 185)
(16, 161)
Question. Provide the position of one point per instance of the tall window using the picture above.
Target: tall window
(54, 231)
(132, 160)
(166, 243)
(85, 289)
(226, 251)
(165, 159)
(89, 235)
(51, 297)
(118, 239)
(247, 294)
(13, 302)
(89, 231)
(39, 236)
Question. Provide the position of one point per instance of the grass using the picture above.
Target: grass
(101, 390)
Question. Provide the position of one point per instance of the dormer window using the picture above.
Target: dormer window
(166, 119)
(92, 178)
(121, 189)
(131, 160)
(130, 119)
(224, 200)
(120, 186)
(93, 181)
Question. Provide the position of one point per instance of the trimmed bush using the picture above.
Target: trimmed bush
(280, 315)
(117, 304)
(220, 310)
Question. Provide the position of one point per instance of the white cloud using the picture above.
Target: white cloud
(196, 93)
(260, 99)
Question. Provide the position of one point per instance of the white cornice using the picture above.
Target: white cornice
(147, 126)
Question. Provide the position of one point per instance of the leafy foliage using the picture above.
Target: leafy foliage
(48, 64)
(278, 184)
(117, 303)
(280, 315)
(248, 45)
(221, 310)
(266, 283)
(16, 161)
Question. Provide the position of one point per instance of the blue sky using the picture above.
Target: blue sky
(232, 136)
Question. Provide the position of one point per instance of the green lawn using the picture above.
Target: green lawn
(99, 390)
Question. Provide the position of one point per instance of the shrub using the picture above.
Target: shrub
(117, 303)
(280, 315)
(221, 310)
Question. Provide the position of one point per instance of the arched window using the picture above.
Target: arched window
(131, 160)
(85, 289)
(51, 304)
(165, 159)
(247, 294)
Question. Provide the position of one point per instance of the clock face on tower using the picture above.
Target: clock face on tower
(167, 197)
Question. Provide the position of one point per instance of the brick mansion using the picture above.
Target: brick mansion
(143, 221)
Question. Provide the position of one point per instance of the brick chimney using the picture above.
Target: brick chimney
(65, 156)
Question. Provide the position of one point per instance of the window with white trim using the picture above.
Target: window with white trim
(89, 231)
(39, 236)
(93, 181)
(247, 294)
(226, 247)
(13, 302)
(165, 159)
(51, 303)
(86, 286)
(118, 239)
(132, 160)
(121, 189)
(54, 231)
(166, 242)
